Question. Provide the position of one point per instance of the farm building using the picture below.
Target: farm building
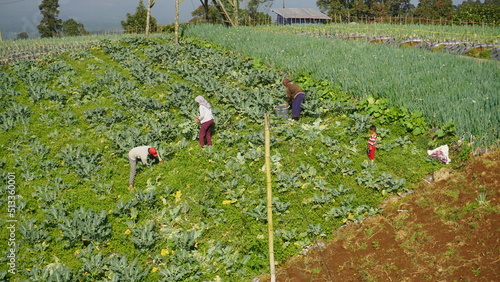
(299, 16)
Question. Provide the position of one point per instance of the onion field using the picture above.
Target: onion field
(479, 33)
(444, 87)
(68, 121)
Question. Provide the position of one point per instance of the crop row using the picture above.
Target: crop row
(479, 34)
(32, 49)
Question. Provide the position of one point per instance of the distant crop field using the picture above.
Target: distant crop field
(12, 51)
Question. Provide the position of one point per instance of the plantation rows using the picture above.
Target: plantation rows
(12, 51)
(69, 121)
(477, 41)
(444, 87)
(484, 50)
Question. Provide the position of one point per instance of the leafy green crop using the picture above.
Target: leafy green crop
(70, 120)
(85, 226)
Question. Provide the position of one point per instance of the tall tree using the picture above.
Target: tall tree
(398, 8)
(137, 22)
(378, 8)
(254, 6)
(434, 9)
(361, 9)
(219, 11)
(476, 12)
(207, 15)
(22, 35)
(492, 2)
(229, 9)
(443, 8)
(342, 8)
(151, 3)
(204, 4)
(252, 15)
(50, 25)
(73, 28)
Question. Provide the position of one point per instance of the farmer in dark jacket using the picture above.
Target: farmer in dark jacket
(295, 97)
(140, 153)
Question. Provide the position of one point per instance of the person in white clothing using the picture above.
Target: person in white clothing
(206, 119)
(140, 153)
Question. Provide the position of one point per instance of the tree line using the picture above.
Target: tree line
(51, 26)
(469, 11)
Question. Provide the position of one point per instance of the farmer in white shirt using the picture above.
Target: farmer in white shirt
(140, 153)
(206, 118)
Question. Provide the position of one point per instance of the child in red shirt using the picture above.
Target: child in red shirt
(371, 143)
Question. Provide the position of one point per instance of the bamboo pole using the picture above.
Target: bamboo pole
(269, 198)
(148, 14)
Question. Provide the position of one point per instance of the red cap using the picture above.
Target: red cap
(153, 152)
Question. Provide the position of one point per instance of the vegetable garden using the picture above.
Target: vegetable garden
(70, 119)
(443, 87)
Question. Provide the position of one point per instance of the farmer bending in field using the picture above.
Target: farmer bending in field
(140, 153)
(295, 97)
(206, 119)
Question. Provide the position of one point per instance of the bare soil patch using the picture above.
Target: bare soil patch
(444, 231)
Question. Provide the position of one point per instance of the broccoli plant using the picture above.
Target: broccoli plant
(51, 272)
(86, 227)
(144, 236)
(84, 162)
(32, 233)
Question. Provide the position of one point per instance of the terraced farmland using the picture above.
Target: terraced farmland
(69, 120)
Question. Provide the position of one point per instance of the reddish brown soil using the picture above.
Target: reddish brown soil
(438, 233)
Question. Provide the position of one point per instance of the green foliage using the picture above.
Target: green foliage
(50, 25)
(144, 236)
(85, 227)
(32, 233)
(13, 115)
(85, 163)
(136, 23)
(201, 214)
(71, 27)
(443, 135)
(120, 269)
(22, 35)
(51, 272)
(477, 12)
(385, 183)
(434, 9)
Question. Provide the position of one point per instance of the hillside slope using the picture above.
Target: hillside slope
(445, 231)
(69, 121)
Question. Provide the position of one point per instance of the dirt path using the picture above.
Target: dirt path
(444, 231)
